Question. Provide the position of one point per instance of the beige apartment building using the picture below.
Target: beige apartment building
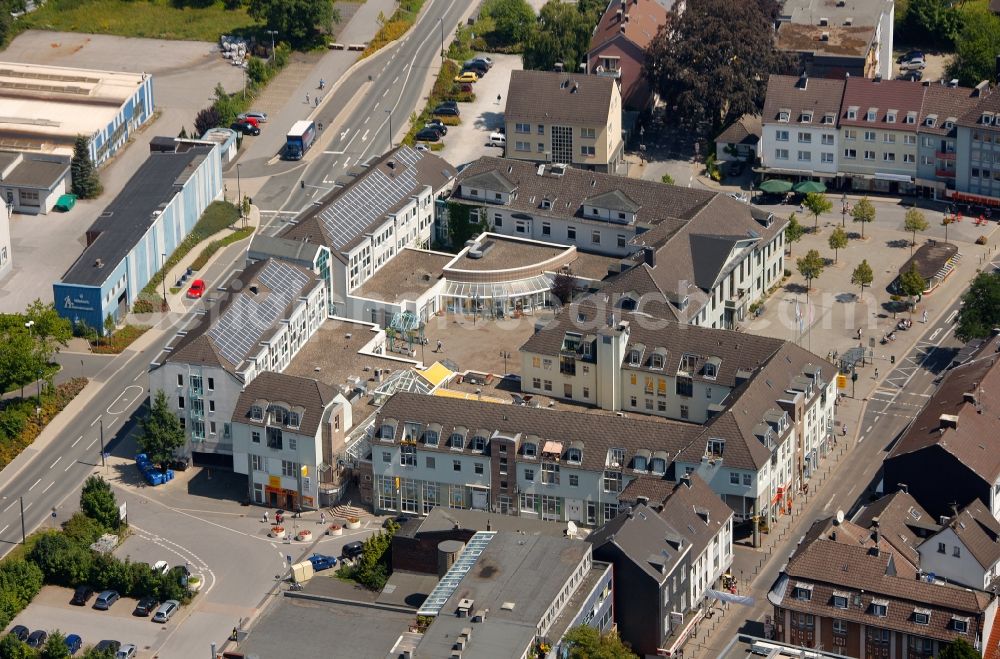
(572, 119)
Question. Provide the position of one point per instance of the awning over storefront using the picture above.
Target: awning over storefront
(929, 183)
(501, 290)
(975, 198)
(886, 176)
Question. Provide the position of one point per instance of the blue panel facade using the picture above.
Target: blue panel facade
(133, 114)
(79, 303)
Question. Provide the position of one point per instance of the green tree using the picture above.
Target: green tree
(837, 241)
(932, 23)
(793, 232)
(207, 119)
(20, 360)
(863, 212)
(62, 561)
(225, 105)
(257, 71)
(914, 222)
(668, 179)
(810, 267)
(93, 653)
(980, 311)
(13, 648)
(299, 21)
(52, 330)
(97, 501)
(160, 432)
(713, 86)
(958, 649)
(372, 568)
(82, 529)
(86, 182)
(55, 647)
(976, 47)
(817, 203)
(863, 276)
(561, 35)
(912, 284)
(513, 19)
(586, 642)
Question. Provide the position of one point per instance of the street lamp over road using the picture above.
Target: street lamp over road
(272, 33)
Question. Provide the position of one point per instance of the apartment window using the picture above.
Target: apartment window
(612, 481)
(289, 468)
(408, 455)
(211, 384)
(541, 129)
(536, 383)
(479, 443)
(530, 450)
(386, 456)
(211, 428)
(255, 436)
(850, 154)
(574, 480)
(922, 617)
(869, 155)
(550, 473)
(180, 402)
(540, 147)
(430, 462)
(869, 136)
(909, 158)
(621, 240)
(850, 134)
(522, 128)
(747, 480)
(684, 386)
(274, 439)
(909, 140)
(456, 465)
(840, 626)
(804, 156)
(803, 592)
(571, 233)
(589, 133)
(805, 138)
(256, 462)
(256, 413)
(685, 412)
(956, 551)
(781, 154)
(529, 475)
(889, 156)
(522, 146)
(826, 158)
(633, 401)
(880, 608)
(211, 406)
(546, 229)
(587, 150)
(734, 478)
(826, 140)
(840, 601)
(960, 625)
(595, 237)
(781, 136)
(889, 138)
(478, 467)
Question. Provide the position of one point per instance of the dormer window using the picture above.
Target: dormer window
(432, 435)
(546, 204)
(828, 118)
(807, 117)
(931, 120)
(803, 591)
(658, 466)
(872, 114)
(711, 370)
(949, 123)
(456, 440)
(715, 448)
(911, 118)
(783, 115)
(960, 624)
(411, 431)
(388, 431)
(478, 443)
(634, 357)
(574, 455)
(293, 419)
(639, 463)
(257, 413)
(278, 414)
(657, 361)
(852, 112)
(839, 600)
(922, 616)
(880, 608)
(616, 458)
(890, 117)
(529, 449)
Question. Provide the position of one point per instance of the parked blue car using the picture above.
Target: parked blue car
(322, 562)
(74, 643)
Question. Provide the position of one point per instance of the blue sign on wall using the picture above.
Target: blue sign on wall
(79, 304)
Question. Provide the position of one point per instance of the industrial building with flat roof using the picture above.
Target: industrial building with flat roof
(128, 243)
(46, 107)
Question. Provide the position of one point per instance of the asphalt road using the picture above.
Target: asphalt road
(381, 93)
(901, 394)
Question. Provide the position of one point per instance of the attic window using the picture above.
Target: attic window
(546, 203)
(872, 114)
(803, 591)
(852, 112)
(931, 120)
(960, 625)
(807, 117)
(880, 608)
(922, 616)
(911, 118)
(949, 123)
(890, 117)
(828, 118)
(839, 600)
(783, 115)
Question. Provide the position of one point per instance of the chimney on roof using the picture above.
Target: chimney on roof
(391, 164)
(903, 487)
(954, 509)
(254, 289)
(643, 500)
(948, 421)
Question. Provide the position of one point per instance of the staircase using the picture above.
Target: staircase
(344, 511)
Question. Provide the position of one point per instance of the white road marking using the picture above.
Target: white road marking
(935, 333)
(76, 442)
(94, 422)
(53, 465)
(366, 121)
(4, 528)
(68, 467)
(34, 484)
(48, 486)
(364, 138)
(92, 443)
(861, 439)
(112, 422)
(141, 373)
(121, 397)
(951, 316)
(28, 506)
(868, 429)
(9, 506)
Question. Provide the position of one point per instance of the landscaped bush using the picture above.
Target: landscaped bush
(216, 245)
(396, 25)
(20, 581)
(117, 342)
(19, 423)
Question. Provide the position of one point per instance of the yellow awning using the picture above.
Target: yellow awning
(436, 373)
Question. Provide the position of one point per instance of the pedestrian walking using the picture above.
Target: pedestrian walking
(265, 517)
(307, 98)
(845, 430)
(317, 101)
(322, 518)
(498, 99)
(925, 315)
(440, 346)
(876, 374)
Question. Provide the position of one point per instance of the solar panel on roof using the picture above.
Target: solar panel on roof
(246, 319)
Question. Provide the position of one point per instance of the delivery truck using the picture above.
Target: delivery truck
(299, 139)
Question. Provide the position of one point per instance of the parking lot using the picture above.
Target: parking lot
(51, 610)
(468, 141)
(184, 75)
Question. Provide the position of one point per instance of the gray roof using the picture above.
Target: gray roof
(262, 246)
(529, 572)
(979, 531)
(863, 12)
(649, 541)
(447, 519)
(745, 130)
(492, 180)
(294, 392)
(597, 432)
(658, 203)
(232, 329)
(696, 511)
(347, 214)
(550, 97)
(899, 518)
(711, 253)
(36, 170)
(130, 215)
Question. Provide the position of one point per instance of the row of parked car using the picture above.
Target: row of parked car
(249, 123)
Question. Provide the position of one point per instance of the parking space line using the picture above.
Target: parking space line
(9, 506)
(34, 484)
(68, 467)
(92, 443)
(48, 486)
(28, 506)
(76, 442)
(53, 465)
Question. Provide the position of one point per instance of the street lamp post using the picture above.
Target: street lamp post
(272, 33)
(843, 210)
(102, 440)
(163, 265)
(28, 325)
(239, 195)
(505, 355)
(441, 20)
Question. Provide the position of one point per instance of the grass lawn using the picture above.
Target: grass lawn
(154, 19)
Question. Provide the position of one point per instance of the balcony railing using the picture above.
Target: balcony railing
(944, 173)
(944, 155)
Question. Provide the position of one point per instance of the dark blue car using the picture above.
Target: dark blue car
(322, 562)
(74, 643)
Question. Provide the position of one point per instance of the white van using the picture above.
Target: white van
(497, 139)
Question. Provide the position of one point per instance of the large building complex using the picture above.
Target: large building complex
(137, 231)
(47, 107)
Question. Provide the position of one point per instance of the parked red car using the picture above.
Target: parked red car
(197, 289)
